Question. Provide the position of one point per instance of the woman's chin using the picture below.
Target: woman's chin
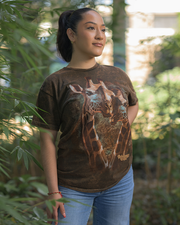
(97, 54)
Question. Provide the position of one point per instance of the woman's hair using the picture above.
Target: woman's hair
(68, 19)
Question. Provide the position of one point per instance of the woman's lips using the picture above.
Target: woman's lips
(98, 44)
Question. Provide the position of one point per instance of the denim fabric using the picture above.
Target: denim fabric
(110, 207)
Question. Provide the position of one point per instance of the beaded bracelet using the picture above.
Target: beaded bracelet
(58, 192)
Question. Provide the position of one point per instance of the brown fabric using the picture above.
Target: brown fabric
(89, 106)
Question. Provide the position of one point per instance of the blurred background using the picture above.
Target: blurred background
(143, 39)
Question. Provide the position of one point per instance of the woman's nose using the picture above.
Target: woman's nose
(99, 34)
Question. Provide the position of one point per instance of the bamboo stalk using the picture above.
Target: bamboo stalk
(147, 170)
(158, 166)
(169, 166)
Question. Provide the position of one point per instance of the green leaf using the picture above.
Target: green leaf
(52, 13)
(18, 2)
(29, 104)
(3, 171)
(8, 8)
(16, 148)
(26, 160)
(34, 159)
(3, 78)
(2, 160)
(28, 60)
(14, 90)
(64, 200)
(5, 150)
(39, 212)
(53, 202)
(20, 153)
(16, 102)
(32, 69)
(4, 99)
(57, 12)
(32, 110)
(49, 205)
(34, 194)
(9, 56)
(5, 205)
(42, 188)
(6, 132)
(23, 199)
(18, 13)
(32, 145)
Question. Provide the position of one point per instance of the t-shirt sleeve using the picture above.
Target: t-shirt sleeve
(132, 95)
(49, 112)
(132, 98)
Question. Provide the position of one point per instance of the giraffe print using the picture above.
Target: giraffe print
(111, 104)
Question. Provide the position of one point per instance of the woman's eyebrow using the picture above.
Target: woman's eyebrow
(94, 23)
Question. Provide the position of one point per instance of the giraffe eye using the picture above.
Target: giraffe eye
(89, 93)
(106, 105)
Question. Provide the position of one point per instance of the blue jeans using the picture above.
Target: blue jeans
(111, 207)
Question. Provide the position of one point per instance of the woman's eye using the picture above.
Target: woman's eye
(90, 28)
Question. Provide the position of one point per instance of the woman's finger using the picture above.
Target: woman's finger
(55, 214)
(62, 210)
(49, 215)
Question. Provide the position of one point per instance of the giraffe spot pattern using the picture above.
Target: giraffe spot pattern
(98, 99)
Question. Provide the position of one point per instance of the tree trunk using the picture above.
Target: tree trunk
(118, 20)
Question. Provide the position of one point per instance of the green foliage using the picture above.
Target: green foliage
(157, 150)
(155, 206)
(25, 58)
(162, 109)
(157, 127)
(17, 197)
(139, 215)
(167, 55)
(24, 186)
(170, 214)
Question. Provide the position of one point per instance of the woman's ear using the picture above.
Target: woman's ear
(71, 35)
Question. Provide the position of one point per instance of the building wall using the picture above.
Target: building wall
(142, 25)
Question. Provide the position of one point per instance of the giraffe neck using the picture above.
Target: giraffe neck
(90, 137)
(123, 137)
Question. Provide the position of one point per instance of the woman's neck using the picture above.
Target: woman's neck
(81, 64)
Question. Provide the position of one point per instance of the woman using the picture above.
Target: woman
(93, 105)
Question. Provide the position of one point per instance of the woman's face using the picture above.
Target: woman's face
(90, 37)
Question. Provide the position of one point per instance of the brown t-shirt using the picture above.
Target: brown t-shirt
(89, 107)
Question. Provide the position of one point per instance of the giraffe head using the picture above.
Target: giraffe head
(98, 98)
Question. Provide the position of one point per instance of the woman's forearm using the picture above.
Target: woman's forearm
(132, 112)
(48, 155)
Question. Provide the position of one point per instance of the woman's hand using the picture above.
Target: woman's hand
(54, 214)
